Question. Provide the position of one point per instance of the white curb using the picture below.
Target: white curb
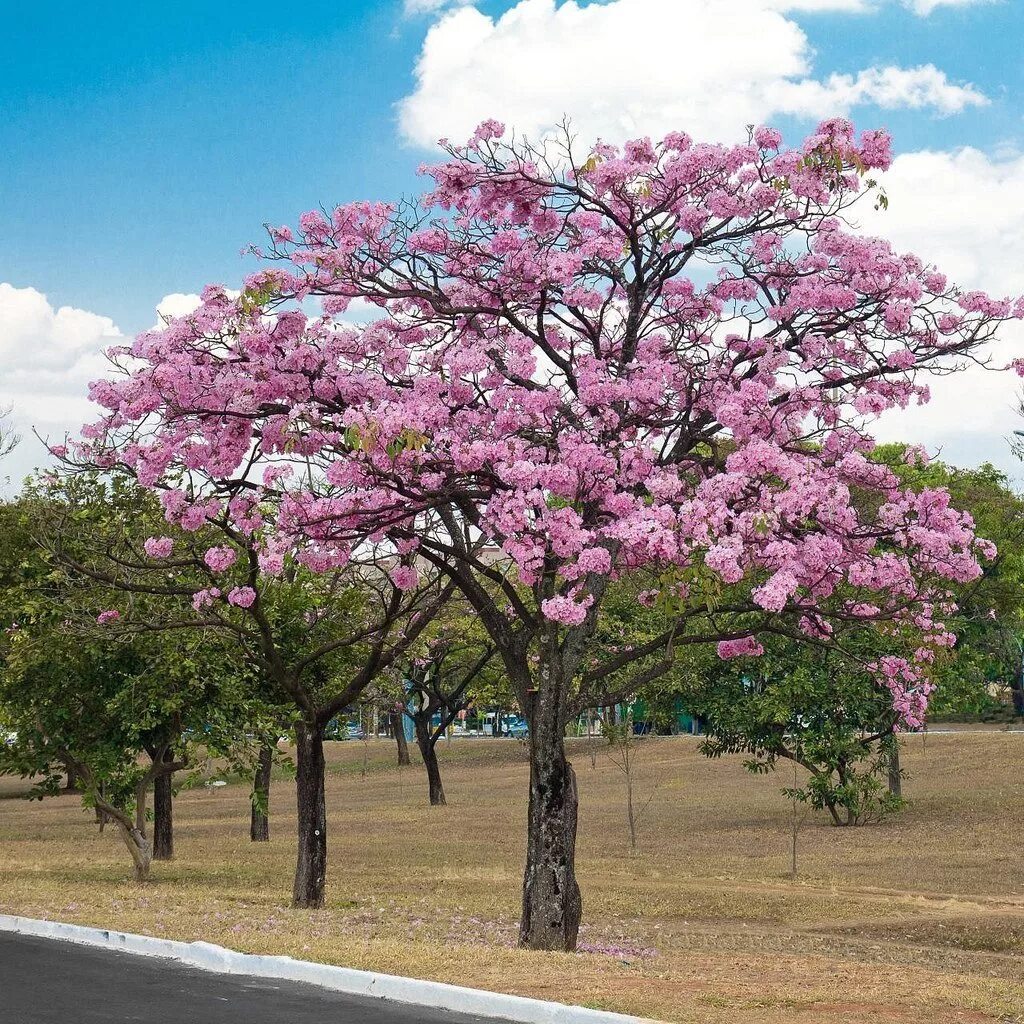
(208, 957)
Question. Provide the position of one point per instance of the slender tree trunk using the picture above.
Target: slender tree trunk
(895, 775)
(552, 905)
(139, 848)
(163, 813)
(311, 865)
(398, 727)
(132, 832)
(428, 752)
(73, 782)
(101, 815)
(259, 822)
(630, 811)
(795, 832)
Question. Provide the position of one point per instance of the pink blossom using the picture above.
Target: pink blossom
(204, 598)
(220, 558)
(566, 610)
(242, 597)
(110, 615)
(158, 547)
(746, 646)
(405, 577)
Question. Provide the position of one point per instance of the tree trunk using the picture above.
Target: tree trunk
(429, 754)
(630, 811)
(311, 865)
(895, 775)
(552, 905)
(163, 814)
(101, 815)
(132, 832)
(139, 848)
(259, 823)
(398, 727)
(73, 783)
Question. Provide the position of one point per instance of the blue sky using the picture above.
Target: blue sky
(142, 146)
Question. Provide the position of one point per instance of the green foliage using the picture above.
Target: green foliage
(795, 702)
(76, 692)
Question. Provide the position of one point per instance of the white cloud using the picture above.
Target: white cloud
(962, 211)
(411, 8)
(925, 7)
(49, 355)
(730, 63)
(174, 305)
(889, 88)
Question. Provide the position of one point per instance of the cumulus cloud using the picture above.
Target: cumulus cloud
(49, 355)
(176, 304)
(962, 211)
(542, 60)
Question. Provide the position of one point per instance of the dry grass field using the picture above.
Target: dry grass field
(919, 920)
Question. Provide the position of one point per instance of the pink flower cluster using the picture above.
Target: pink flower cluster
(219, 559)
(158, 547)
(242, 597)
(746, 646)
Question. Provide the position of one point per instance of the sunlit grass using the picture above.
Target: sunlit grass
(917, 920)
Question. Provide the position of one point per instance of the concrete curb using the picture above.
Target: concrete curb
(209, 957)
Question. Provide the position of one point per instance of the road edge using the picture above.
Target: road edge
(434, 994)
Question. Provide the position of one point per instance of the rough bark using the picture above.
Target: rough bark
(552, 904)
(398, 728)
(311, 865)
(259, 823)
(163, 814)
(427, 746)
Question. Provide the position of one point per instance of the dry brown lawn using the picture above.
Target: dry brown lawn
(919, 920)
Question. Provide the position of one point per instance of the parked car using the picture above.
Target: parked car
(511, 725)
(516, 727)
(342, 729)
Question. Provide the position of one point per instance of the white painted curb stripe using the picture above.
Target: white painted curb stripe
(209, 957)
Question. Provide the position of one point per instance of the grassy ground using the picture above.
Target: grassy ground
(919, 920)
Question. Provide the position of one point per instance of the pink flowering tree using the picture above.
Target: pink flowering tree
(661, 360)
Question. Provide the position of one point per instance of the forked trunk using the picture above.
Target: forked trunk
(428, 752)
(132, 832)
(259, 823)
(139, 848)
(163, 816)
(311, 865)
(552, 905)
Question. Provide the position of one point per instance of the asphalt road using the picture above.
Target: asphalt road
(44, 981)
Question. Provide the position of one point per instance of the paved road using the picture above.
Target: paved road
(43, 981)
